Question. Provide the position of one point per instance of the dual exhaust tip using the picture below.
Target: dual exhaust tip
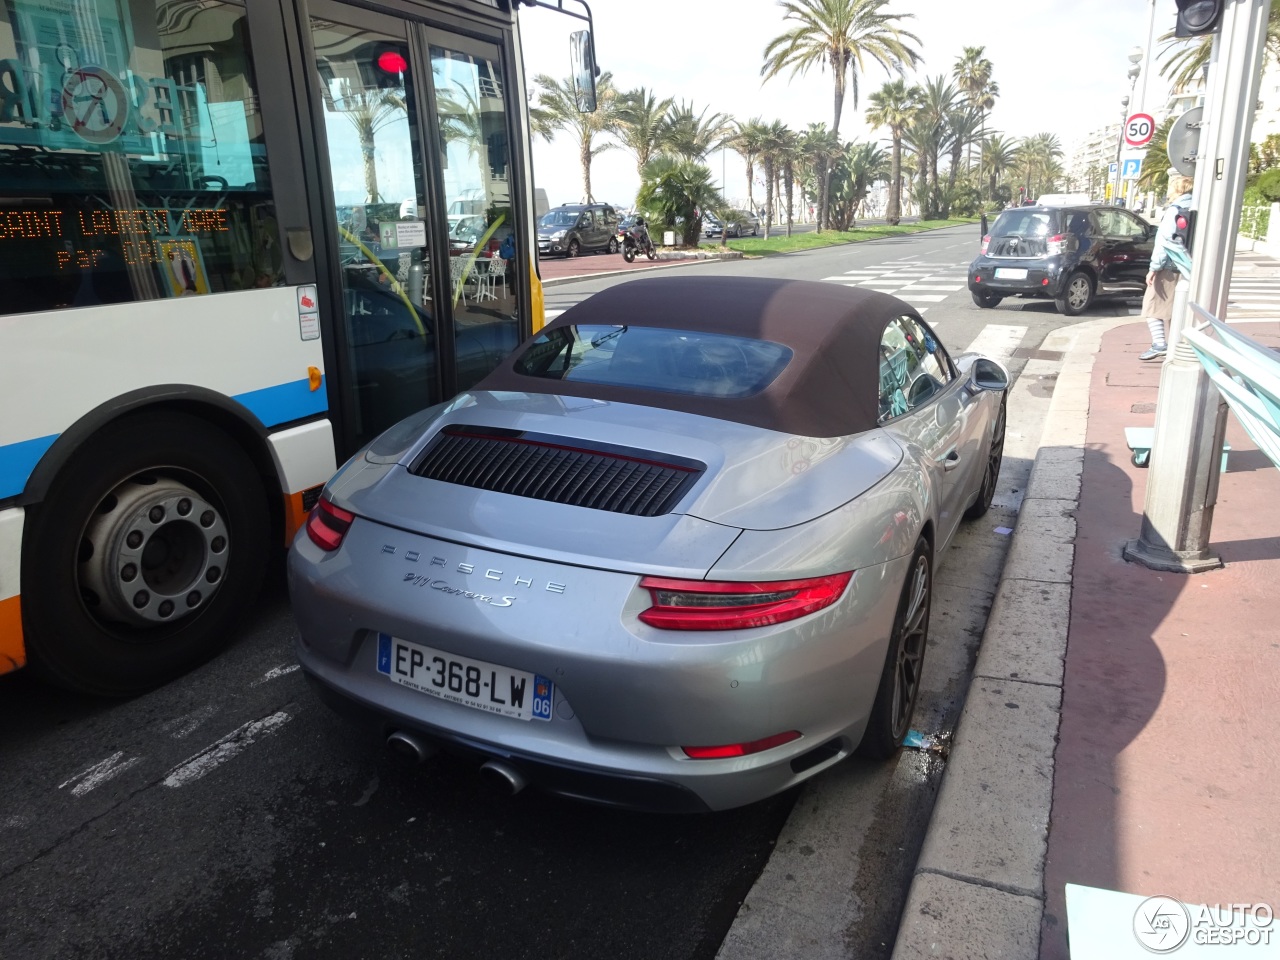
(498, 772)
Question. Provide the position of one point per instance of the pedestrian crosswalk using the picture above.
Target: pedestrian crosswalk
(919, 282)
(1255, 288)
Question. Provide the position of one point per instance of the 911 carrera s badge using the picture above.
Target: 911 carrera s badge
(444, 586)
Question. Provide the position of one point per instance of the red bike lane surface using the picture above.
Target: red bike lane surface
(593, 264)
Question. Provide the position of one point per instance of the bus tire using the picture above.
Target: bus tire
(149, 546)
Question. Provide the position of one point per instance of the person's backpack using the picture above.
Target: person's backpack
(1185, 220)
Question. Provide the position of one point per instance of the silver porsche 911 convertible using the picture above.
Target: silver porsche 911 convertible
(675, 553)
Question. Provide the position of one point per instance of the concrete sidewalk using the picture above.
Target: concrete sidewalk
(1119, 731)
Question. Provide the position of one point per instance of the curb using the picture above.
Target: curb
(978, 886)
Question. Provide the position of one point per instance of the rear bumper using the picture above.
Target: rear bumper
(1044, 278)
(625, 699)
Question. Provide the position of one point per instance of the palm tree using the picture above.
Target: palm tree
(790, 155)
(557, 109)
(677, 190)
(933, 135)
(973, 75)
(370, 111)
(841, 34)
(772, 146)
(892, 107)
(963, 125)
(747, 141)
(821, 149)
(1155, 162)
(641, 117)
(692, 135)
(999, 154)
(860, 165)
(1038, 158)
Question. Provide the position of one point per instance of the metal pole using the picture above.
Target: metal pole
(1124, 115)
(1190, 416)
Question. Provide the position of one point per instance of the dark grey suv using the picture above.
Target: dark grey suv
(1072, 255)
(576, 228)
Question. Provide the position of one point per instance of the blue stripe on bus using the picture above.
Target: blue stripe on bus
(271, 405)
(17, 460)
(285, 402)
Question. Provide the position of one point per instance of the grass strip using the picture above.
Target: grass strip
(759, 246)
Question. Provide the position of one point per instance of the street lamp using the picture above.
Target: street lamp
(1124, 115)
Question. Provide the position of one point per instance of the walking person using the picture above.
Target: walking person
(1169, 260)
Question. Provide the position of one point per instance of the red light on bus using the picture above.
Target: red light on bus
(392, 61)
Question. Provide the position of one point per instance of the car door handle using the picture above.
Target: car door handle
(951, 462)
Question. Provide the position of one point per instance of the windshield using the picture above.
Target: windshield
(653, 358)
(1025, 223)
(559, 218)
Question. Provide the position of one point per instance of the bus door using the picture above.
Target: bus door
(415, 131)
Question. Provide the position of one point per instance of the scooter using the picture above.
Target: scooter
(637, 239)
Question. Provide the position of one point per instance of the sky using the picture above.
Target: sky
(1061, 66)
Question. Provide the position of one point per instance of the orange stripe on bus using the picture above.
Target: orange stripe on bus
(295, 516)
(13, 653)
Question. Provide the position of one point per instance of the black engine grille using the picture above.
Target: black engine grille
(597, 476)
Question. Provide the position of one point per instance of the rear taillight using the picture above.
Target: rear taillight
(327, 524)
(732, 605)
(985, 241)
(740, 749)
(1056, 244)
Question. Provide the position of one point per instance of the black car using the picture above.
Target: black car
(1070, 254)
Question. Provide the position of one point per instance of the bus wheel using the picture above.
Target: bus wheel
(150, 545)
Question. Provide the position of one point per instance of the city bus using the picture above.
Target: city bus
(228, 260)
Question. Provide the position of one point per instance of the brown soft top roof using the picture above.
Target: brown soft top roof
(829, 389)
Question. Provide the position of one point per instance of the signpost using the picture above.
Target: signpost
(1139, 128)
(1184, 141)
(1132, 168)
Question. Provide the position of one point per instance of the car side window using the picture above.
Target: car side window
(1130, 225)
(914, 368)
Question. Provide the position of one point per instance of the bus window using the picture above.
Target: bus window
(132, 163)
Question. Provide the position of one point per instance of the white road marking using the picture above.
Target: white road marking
(997, 341)
(894, 284)
(218, 753)
(922, 297)
(931, 287)
(1253, 306)
(275, 673)
(186, 724)
(552, 314)
(98, 774)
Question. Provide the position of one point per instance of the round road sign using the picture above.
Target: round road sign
(1139, 129)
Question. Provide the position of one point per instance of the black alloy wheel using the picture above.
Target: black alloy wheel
(573, 249)
(991, 476)
(900, 680)
(613, 245)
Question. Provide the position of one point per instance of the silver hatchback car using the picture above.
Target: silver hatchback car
(675, 553)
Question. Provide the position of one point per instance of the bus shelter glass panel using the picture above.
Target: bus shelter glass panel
(376, 161)
(132, 159)
(484, 258)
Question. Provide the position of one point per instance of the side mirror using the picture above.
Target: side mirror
(987, 374)
(582, 60)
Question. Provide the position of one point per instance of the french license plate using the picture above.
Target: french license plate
(472, 683)
(1010, 273)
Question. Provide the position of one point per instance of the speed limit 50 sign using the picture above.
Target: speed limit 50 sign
(1138, 129)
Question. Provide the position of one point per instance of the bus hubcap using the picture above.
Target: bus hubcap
(154, 551)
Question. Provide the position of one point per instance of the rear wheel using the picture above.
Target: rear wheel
(651, 252)
(986, 300)
(149, 546)
(1076, 295)
(995, 457)
(900, 680)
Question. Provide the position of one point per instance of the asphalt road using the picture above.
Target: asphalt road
(229, 814)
